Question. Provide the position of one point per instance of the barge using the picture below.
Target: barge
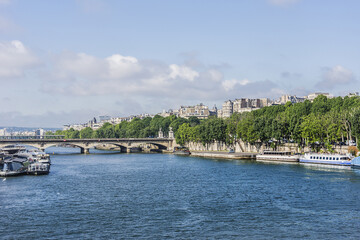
(281, 156)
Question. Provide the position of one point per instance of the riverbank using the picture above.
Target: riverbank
(224, 155)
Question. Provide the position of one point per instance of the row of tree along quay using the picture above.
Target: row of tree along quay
(320, 124)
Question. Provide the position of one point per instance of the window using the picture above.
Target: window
(337, 158)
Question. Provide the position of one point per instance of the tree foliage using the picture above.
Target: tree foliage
(323, 121)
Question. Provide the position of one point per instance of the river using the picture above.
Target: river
(163, 196)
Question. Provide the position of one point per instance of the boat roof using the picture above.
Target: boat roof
(21, 160)
(327, 154)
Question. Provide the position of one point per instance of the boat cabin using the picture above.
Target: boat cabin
(282, 153)
(335, 158)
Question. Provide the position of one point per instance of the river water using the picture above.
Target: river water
(162, 196)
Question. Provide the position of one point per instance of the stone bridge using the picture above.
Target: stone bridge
(125, 144)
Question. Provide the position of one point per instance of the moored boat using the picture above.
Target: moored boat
(181, 151)
(13, 167)
(326, 158)
(38, 168)
(283, 156)
(44, 158)
(34, 155)
(12, 149)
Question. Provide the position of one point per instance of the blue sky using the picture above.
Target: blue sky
(66, 61)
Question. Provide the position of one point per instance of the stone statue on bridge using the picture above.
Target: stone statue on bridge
(161, 134)
(171, 133)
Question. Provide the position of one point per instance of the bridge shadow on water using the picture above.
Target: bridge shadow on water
(76, 151)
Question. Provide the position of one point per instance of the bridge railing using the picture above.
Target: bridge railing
(19, 137)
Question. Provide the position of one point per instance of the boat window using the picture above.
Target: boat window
(337, 158)
(327, 158)
(310, 157)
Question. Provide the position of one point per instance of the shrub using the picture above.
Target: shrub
(353, 150)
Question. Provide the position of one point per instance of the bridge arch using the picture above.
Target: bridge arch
(125, 144)
(160, 146)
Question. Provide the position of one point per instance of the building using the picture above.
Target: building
(290, 98)
(354, 94)
(242, 105)
(104, 118)
(312, 96)
(200, 111)
(169, 113)
(39, 133)
(227, 109)
(3, 132)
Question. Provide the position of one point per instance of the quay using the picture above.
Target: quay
(224, 155)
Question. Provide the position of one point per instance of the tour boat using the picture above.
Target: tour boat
(44, 158)
(38, 168)
(12, 149)
(35, 156)
(282, 156)
(13, 167)
(326, 158)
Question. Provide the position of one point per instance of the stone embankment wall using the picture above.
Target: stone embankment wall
(241, 146)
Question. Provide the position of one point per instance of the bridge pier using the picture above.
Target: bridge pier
(84, 150)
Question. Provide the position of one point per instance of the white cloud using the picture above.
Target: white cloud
(215, 75)
(120, 66)
(230, 84)
(83, 74)
(283, 2)
(182, 72)
(151, 81)
(337, 75)
(15, 58)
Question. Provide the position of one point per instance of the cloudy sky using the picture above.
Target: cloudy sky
(67, 61)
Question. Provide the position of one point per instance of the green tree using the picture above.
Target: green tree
(86, 132)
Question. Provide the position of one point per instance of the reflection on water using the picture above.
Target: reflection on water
(161, 196)
(327, 168)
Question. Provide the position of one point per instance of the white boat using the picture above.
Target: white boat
(35, 155)
(282, 156)
(38, 168)
(326, 158)
(44, 158)
(12, 149)
(13, 167)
